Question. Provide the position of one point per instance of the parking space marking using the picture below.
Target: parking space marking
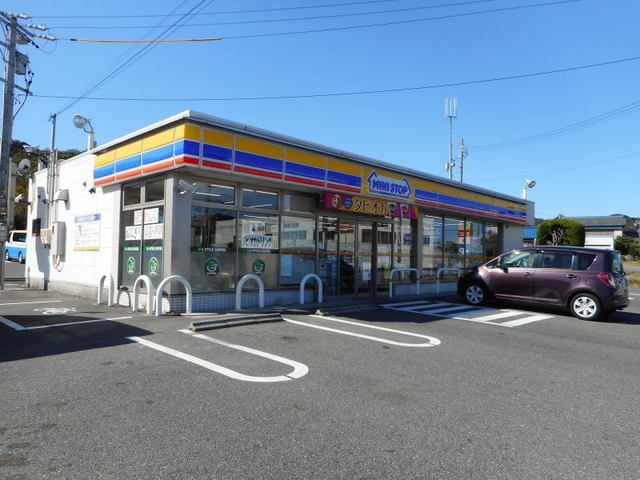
(432, 341)
(299, 371)
(31, 303)
(469, 313)
(11, 324)
(20, 328)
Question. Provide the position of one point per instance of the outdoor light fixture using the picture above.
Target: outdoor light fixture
(185, 187)
(85, 124)
(528, 184)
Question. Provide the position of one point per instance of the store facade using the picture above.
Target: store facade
(213, 200)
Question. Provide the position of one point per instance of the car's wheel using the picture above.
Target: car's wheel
(20, 258)
(585, 306)
(475, 294)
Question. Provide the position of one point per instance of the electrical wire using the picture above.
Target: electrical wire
(227, 12)
(354, 93)
(277, 20)
(139, 54)
(618, 112)
(28, 80)
(386, 24)
(168, 40)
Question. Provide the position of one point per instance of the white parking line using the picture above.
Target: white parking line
(495, 316)
(31, 303)
(432, 341)
(19, 328)
(449, 309)
(299, 369)
(11, 324)
(424, 306)
(214, 367)
(522, 321)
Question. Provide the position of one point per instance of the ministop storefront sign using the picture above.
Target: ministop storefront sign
(388, 186)
(368, 206)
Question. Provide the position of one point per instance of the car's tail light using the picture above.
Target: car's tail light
(607, 279)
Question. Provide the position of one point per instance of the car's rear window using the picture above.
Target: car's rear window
(584, 260)
(616, 263)
(19, 237)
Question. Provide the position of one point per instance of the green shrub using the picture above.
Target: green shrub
(627, 246)
(561, 231)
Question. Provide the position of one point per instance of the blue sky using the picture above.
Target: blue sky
(590, 171)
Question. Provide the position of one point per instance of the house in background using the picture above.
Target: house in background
(601, 231)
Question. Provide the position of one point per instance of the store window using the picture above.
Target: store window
(154, 191)
(297, 249)
(491, 241)
(474, 234)
(214, 194)
(132, 195)
(152, 243)
(299, 203)
(431, 245)
(403, 248)
(259, 199)
(454, 243)
(328, 254)
(213, 249)
(259, 247)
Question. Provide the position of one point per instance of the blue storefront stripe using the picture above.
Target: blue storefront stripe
(127, 163)
(217, 153)
(157, 154)
(464, 203)
(304, 171)
(187, 147)
(258, 161)
(344, 178)
(103, 171)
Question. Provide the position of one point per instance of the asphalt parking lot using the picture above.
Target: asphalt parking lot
(425, 389)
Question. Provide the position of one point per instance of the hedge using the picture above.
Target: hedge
(560, 231)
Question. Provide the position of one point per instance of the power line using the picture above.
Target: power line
(278, 20)
(353, 93)
(139, 54)
(166, 40)
(386, 24)
(618, 112)
(227, 12)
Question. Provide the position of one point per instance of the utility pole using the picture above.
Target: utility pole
(7, 128)
(463, 153)
(450, 112)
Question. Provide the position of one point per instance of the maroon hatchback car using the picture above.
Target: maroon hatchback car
(589, 282)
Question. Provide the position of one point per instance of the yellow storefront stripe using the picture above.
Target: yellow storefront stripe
(129, 150)
(260, 148)
(306, 158)
(158, 140)
(104, 159)
(345, 167)
(188, 132)
(213, 137)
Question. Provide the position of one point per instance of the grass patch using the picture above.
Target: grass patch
(633, 279)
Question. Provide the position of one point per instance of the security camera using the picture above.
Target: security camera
(23, 167)
(92, 190)
(530, 183)
(186, 187)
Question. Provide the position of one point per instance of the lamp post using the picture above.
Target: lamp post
(85, 124)
(528, 184)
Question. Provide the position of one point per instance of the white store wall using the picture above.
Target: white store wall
(77, 270)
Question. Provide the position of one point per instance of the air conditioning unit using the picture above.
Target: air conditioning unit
(45, 236)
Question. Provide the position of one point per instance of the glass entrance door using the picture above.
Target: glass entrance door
(347, 246)
(365, 257)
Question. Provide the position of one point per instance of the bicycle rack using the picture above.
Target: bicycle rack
(404, 270)
(147, 283)
(303, 283)
(245, 279)
(111, 289)
(441, 270)
(185, 284)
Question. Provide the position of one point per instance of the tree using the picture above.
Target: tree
(560, 231)
(627, 246)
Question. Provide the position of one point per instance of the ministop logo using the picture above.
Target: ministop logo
(388, 186)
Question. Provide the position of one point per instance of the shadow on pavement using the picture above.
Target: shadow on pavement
(21, 345)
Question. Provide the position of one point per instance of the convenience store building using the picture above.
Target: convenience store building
(213, 200)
